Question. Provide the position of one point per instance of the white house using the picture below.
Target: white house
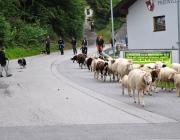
(151, 24)
(88, 13)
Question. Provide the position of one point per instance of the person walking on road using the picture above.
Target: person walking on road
(60, 46)
(84, 46)
(100, 44)
(3, 62)
(48, 45)
(74, 45)
(126, 40)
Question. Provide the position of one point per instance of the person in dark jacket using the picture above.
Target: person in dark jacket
(74, 45)
(84, 46)
(3, 62)
(61, 46)
(48, 45)
(100, 44)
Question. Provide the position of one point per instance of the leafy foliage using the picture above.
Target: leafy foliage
(28, 22)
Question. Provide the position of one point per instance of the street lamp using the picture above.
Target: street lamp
(178, 28)
(112, 29)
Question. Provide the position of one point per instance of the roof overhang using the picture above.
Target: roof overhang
(121, 9)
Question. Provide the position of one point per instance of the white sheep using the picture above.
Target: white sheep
(175, 66)
(114, 66)
(124, 67)
(125, 84)
(139, 80)
(166, 75)
(177, 83)
(137, 66)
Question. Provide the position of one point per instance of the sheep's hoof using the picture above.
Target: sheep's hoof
(143, 105)
(156, 91)
(144, 93)
(139, 102)
(150, 94)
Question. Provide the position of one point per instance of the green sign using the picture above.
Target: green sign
(149, 57)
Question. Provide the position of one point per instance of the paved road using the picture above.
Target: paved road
(54, 99)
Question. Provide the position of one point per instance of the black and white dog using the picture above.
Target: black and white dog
(74, 58)
(22, 63)
(43, 52)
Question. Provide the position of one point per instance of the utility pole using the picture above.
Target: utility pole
(178, 28)
(112, 29)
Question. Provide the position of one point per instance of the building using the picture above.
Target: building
(151, 24)
(88, 13)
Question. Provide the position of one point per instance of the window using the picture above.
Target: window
(159, 23)
(88, 11)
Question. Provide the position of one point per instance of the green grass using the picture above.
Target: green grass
(25, 51)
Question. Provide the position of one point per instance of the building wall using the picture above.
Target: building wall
(140, 25)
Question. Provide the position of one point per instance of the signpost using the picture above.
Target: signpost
(112, 29)
(149, 57)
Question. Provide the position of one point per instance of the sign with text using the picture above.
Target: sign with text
(149, 57)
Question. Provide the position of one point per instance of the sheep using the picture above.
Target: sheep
(124, 67)
(124, 83)
(101, 67)
(94, 62)
(166, 75)
(139, 80)
(154, 74)
(137, 66)
(89, 62)
(159, 65)
(177, 83)
(156, 65)
(81, 59)
(114, 66)
(175, 66)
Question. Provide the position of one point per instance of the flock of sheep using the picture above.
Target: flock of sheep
(133, 76)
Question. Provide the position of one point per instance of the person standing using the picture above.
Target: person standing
(111, 42)
(100, 44)
(84, 46)
(3, 62)
(126, 40)
(60, 46)
(74, 45)
(48, 45)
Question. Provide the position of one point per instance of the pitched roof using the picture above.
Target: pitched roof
(121, 9)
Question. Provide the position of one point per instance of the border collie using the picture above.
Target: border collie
(22, 63)
(74, 58)
(43, 52)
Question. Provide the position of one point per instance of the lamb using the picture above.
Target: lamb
(139, 80)
(166, 75)
(124, 83)
(177, 83)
